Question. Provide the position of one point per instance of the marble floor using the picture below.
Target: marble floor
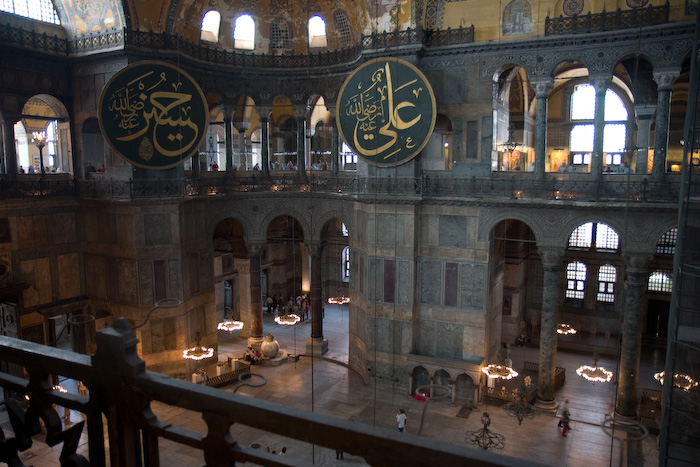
(325, 385)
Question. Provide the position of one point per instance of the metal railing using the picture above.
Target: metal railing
(607, 21)
(120, 387)
(637, 189)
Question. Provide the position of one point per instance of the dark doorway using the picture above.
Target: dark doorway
(657, 318)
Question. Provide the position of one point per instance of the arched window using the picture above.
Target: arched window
(582, 114)
(346, 263)
(607, 275)
(279, 36)
(210, 26)
(244, 33)
(575, 280)
(667, 243)
(602, 236)
(40, 10)
(345, 230)
(342, 27)
(660, 281)
(317, 32)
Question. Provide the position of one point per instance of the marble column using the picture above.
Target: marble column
(542, 87)
(335, 147)
(9, 149)
(244, 306)
(644, 114)
(636, 272)
(264, 113)
(601, 86)
(228, 129)
(551, 298)
(256, 309)
(242, 128)
(664, 81)
(301, 145)
(316, 344)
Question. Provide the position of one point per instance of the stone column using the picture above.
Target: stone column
(316, 344)
(636, 271)
(601, 86)
(264, 113)
(644, 113)
(9, 149)
(551, 297)
(228, 129)
(335, 147)
(301, 146)
(242, 128)
(664, 81)
(256, 310)
(243, 283)
(542, 88)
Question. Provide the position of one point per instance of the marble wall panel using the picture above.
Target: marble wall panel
(452, 231)
(427, 338)
(37, 273)
(430, 282)
(473, 285)
(386, 229)
(374, 274)
(163, 335)
(174, 279)
(68, 276)
(146, 283)
(449, 345)
(5, 230)
(404, 294)
(127, 280)
(157, 229)
(31, 232)
(95, 276)
(63, 228)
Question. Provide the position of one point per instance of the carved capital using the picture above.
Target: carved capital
(665, 79)
(551, 256)
(255, 249)
(542, 86)
(600, 83)
(637, 264)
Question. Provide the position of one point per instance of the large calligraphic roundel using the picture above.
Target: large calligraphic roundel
(153, 114)
(386, 111)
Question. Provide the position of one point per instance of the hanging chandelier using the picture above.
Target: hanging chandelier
(230, 325)
(563, 328)
(341, 300)
(198, 352)
(680, 380)
(288, 320)
(595, 373)
(520, 409)
(499, 371)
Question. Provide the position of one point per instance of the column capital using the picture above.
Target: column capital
(254, 249)
(264, 112)
(241, 127)
(601, 83)
(550, 256)
(645, 111)
(542, 85)
(665, 78)
(637, 263)
(300, 110)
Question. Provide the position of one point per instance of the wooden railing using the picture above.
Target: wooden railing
(121, 389)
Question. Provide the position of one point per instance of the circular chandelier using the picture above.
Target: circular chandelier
(230, 325)
(680, 380)
(563, 328)
(499, 371)
(288, 320)
(198, 352)
(485, 438)
(596, 374)
(342, 300)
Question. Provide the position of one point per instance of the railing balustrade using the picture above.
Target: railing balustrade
(120, 387)
(607, 21)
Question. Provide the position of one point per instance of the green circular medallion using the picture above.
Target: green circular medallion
(153, 114)
(386, 111)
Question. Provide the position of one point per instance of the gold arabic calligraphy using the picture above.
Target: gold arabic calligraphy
(143, 105)
(376, 112)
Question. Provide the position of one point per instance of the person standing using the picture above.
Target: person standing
(401, 419)
(564, 412)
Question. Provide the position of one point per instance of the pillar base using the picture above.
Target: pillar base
(316, 346)
(546, 405)
(255, 342)
(624, 420)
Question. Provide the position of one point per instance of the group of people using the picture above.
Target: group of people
(253, 356)
(299, 306)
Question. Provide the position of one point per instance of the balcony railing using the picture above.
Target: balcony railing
(607, 21)
(119, 38)
(120, 387)
(576, 187)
